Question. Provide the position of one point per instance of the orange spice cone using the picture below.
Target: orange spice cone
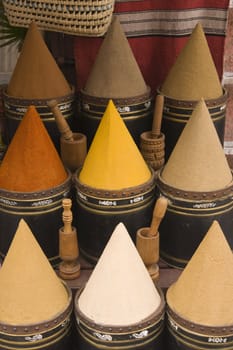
(31, 162)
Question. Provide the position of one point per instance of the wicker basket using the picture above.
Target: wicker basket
(76, 17)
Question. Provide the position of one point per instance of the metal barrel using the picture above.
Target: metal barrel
(176, 114)
(181, 334)
(146, 335)
(136, 112)
(52, 334)
(15, 108)
(97, 212)
(188, 217)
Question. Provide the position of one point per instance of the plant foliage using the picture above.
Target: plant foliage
(9, 34)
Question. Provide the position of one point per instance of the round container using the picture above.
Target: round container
(15, 108)
(146, 335)
(188, 217)
(41, 210)
(185, 335)
(52, 334)
(99, 211)
(136, 112)
(73, 153)
(176, 113)
(153, 149)
(148, 249)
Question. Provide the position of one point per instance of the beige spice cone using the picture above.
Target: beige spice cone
(193, 75)
(36, 74)
(203, 293)
(115, 73)
(30, 290)
(120, 291)
(197, 162)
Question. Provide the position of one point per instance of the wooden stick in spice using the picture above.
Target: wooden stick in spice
(157, 116)
(158, 214)
(62, 124)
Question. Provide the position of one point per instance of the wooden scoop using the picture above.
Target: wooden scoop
(157, 117)
(158, 214)
(62, 124)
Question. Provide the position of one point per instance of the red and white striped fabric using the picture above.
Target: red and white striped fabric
(157, 30)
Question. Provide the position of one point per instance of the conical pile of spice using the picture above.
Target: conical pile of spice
(203, 293)
(119, 291)
(30, 290)
(197, 162)
(113, 161)
(115, 73)
(193, 74)
(36, 74)
(31, 162)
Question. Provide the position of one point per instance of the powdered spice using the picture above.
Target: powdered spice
(30, 290)
(31, 162)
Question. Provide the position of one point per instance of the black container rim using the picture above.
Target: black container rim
(114, 194)
(193, 195)
(38, 195)
(38, 102)
(151, 321)
(190, 104)
(44, 326)
(100, 101)
(177, 323)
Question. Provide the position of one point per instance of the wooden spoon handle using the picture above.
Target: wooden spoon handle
(158, 214)
(157, 117)
(62, 124)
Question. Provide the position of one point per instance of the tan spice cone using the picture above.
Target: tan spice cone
(120, 290)
(203, 293)
(30, 289)
(193, 74)
(113, 161)
(197, 162)
(115, 73)
(31, 162)
(36, 74)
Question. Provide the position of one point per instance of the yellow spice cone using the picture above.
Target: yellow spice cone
(115, 73)
(197, 162)
(31, 162)
(36, 74)
(119, 291)
(193, 74)
(113, 161)
(203, 293)
(30, 289)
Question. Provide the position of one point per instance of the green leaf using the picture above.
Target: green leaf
(10, 34)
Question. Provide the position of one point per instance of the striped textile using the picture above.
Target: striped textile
(157, 30)
(141, 18)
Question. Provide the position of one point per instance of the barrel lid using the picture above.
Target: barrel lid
(30, 290)
(203, 292)
(115, 72)
(120, 290)
(113, 160)
(36, 74)
(31, 162)
(197, 162)
(193, 75)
